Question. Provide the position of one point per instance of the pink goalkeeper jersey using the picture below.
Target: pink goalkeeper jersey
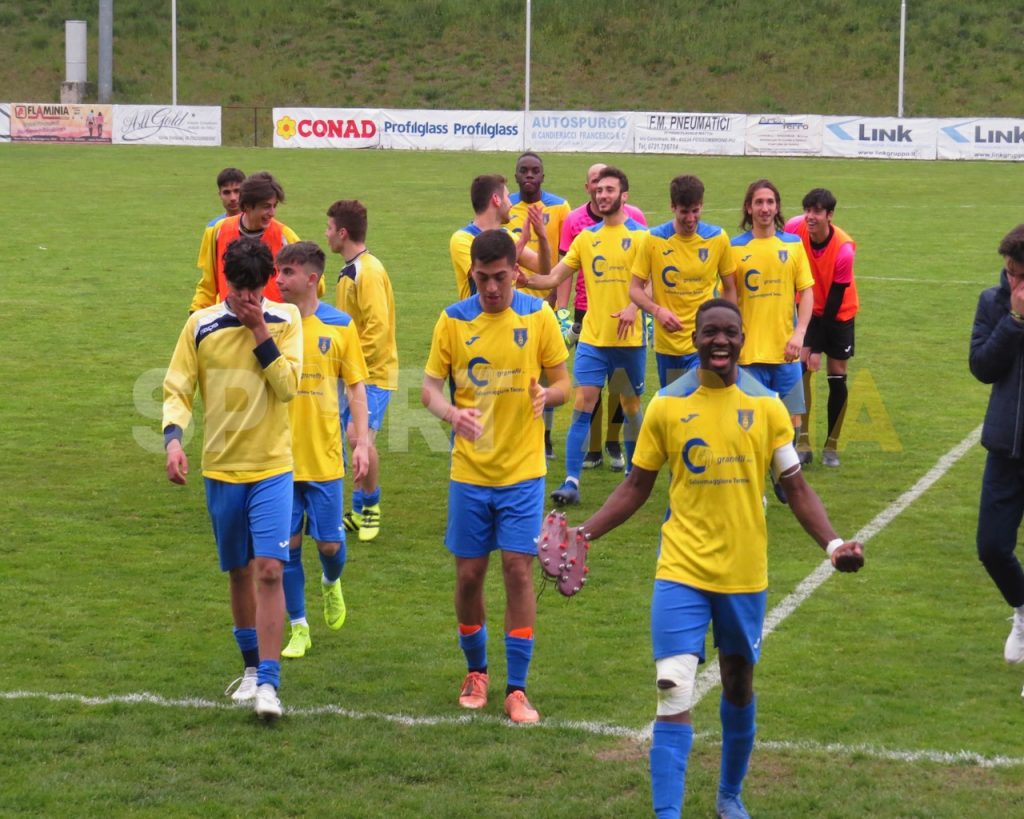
(575, 223)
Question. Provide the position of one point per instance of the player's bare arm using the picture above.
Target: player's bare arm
(465, 421)
(621, 504)
(358, 429)
(558, 274)
(809, 510)
(803, 318)
(640, 296)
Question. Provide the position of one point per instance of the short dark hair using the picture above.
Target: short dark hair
(686, 191)
(1012, 246)
(492, 246)
(710, 304)
(259, 187)
(820, 198)
(610, 170)
(525, 154)
(483, 188)
(351, 215)
(305, 254)
(230, 175)
(756, 185)
(248, 264)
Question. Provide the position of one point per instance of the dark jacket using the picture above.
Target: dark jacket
(997, 358)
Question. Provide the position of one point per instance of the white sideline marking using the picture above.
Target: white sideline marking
(711, 676)
(596, 728)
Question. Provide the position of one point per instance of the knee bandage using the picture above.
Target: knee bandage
(675, 680)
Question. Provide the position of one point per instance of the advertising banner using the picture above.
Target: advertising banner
(326, 127)
(879, 138)
(5, 122)
(981, 139)
(584, 131)
(451, 130)
(683, 133)
(784, 135)
(166, 125)
(58, 122)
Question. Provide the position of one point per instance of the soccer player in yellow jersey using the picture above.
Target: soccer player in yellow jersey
(685, 263)
(364, 292)
(772, 274)
(494, 347)
(552, 212)
(491, 205)
(245, 356)
(717, 429)
(331, 356)
(611, 345)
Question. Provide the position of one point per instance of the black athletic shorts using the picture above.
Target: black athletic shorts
(833, 338)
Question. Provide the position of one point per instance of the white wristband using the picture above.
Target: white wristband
(833, 545)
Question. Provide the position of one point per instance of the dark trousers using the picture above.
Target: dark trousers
(999, 518)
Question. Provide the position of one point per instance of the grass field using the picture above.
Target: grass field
(882, 694)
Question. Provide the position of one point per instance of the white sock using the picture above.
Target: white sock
(300, 622)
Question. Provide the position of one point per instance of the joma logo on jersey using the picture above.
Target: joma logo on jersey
(323, 344)
(745, 418)
(519, 336)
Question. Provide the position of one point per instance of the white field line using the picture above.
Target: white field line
(596, 728)
(711, 676)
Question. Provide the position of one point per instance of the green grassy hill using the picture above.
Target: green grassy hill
(778, 57)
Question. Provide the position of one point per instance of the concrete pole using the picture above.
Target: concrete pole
(106, 61)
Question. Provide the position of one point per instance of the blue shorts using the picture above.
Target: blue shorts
(670, 367)
(319, 502)
(377, 400)
(484, 518)
(624, 368)
(786, 379)
(680, 615)
(250, 519)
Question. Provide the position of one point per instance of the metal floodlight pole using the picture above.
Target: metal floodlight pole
(106, 71)
(903, 45)
(174, 52)
(526, 94)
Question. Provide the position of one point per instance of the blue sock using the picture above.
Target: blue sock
(357, 500)
(371, 498)
(295, 585)
(518, 651)
(630, 432)
(670, 751)
(269, 671)
(576, 442)
(249, 646)
(738, 731)
(474, 646)
(333, 565)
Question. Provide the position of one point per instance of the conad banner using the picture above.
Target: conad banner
(166, 125)
(879, 137)
(451, 130)
(326, 127)
(981, 139)
(584, 131)
(783, 135)
(5, 122)
(57, 122)
(683, 133)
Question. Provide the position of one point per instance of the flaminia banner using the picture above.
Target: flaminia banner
(58, 122)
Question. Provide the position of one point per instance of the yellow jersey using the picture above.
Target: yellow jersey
(364, 292)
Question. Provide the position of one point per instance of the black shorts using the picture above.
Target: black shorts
(833, 338)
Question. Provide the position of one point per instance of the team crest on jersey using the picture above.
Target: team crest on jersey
(519, 337)
(783, 255)
(547, 218)
(702, 254)
(626, 243)
(745, 418)
(324, 344)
